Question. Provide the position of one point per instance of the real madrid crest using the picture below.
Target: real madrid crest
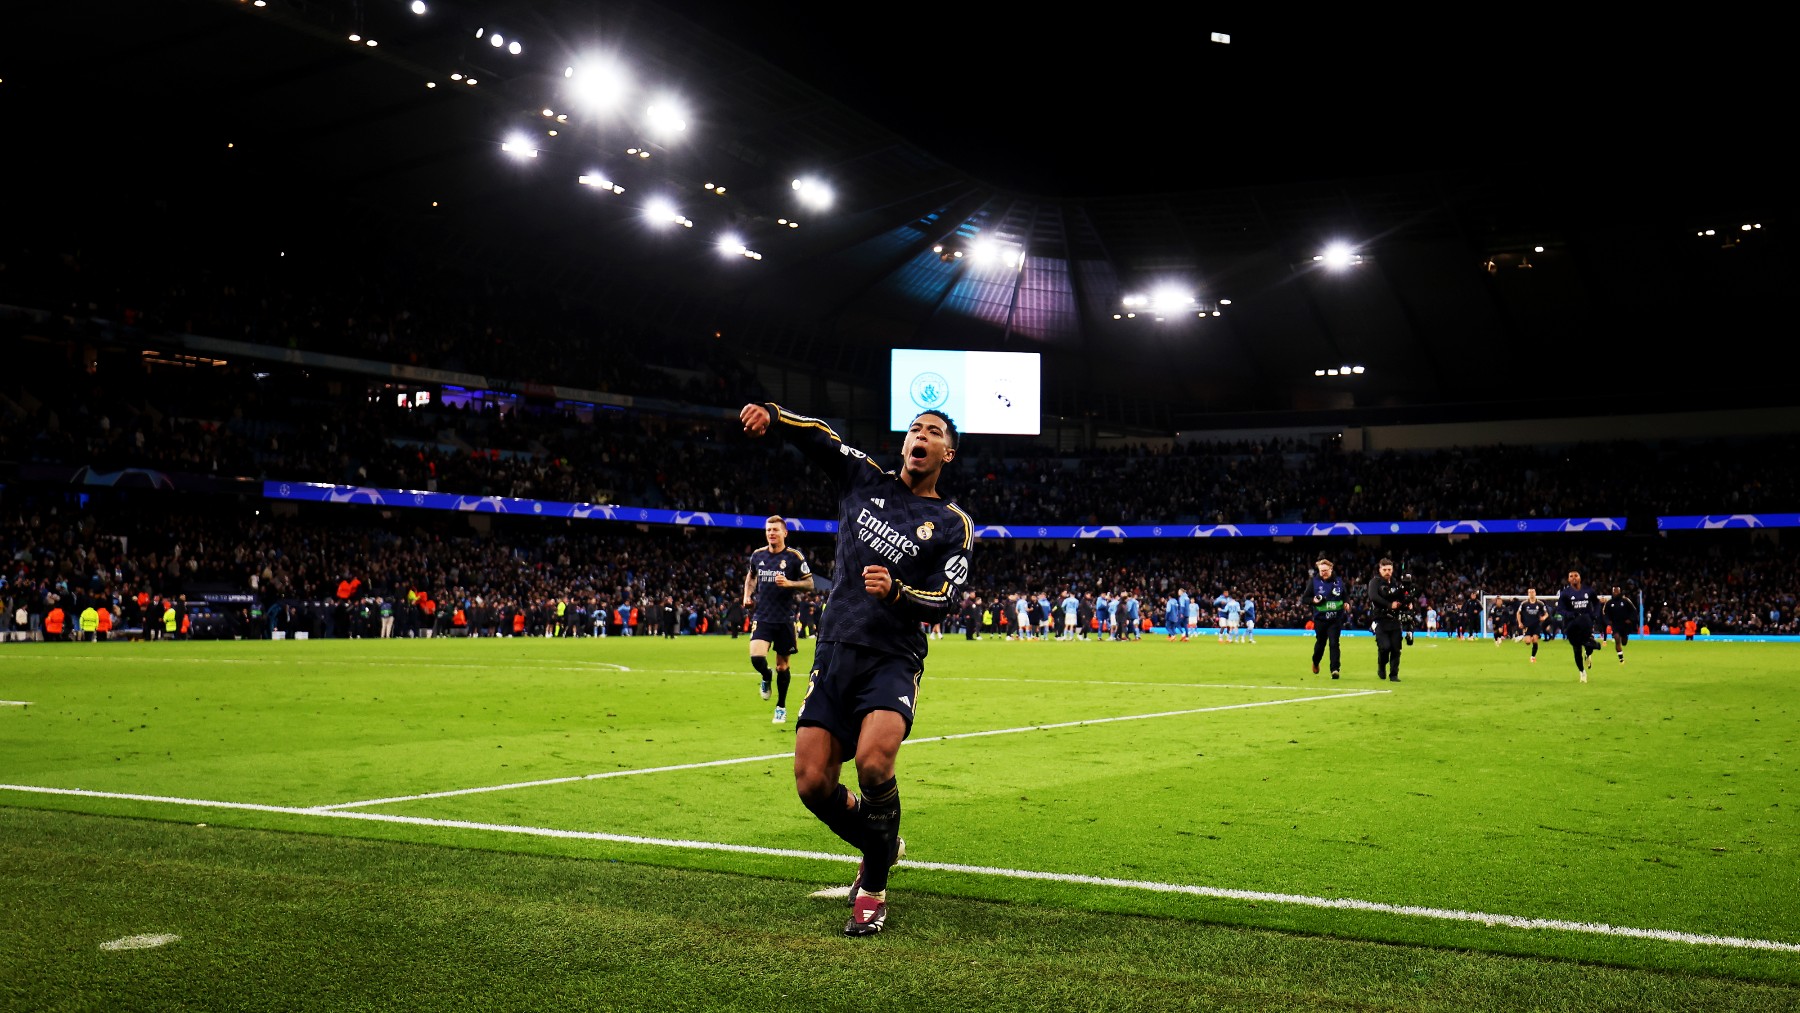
(924, 531)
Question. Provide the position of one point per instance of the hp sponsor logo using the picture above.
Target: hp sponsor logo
(956, 568)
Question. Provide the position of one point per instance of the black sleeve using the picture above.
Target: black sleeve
(819, 442)
(932, 597)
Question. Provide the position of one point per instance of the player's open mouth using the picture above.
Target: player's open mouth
(918, 453)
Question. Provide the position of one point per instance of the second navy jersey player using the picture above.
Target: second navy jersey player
(773, 602)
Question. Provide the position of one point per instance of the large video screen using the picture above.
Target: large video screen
(985, 392)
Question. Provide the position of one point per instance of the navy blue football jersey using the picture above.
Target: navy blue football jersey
(776, 604)
(1575, 604)
(926, 543)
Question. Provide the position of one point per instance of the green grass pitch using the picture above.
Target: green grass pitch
(1484, 804)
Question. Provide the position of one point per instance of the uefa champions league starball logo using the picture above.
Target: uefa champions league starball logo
(1589, 524)
(1710, 522)
(930, 391)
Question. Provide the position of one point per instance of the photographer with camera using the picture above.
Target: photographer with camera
(1392, 603)
(1327, 595)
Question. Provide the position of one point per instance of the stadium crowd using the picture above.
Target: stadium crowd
(65, 405)
(330, 430)
(345, 566)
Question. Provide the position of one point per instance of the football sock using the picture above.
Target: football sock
(762, 666)
(1534, 650)
(840, 818)
(782, 678)
(880, 814)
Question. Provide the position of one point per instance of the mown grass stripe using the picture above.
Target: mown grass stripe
(1223, 893)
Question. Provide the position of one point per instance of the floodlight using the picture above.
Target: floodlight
(665, 118)
(1339, 255)
(814, 193)
(600, 84)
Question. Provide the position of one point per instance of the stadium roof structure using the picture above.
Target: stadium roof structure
(1530, 219)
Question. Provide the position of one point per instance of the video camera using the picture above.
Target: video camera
(1406, 599)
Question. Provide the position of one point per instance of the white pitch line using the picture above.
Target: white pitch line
(1156, 685)
(555, 780)
(1158, 714)
(15, 703)
(588, 666)
(1222, 893)
(779, 756)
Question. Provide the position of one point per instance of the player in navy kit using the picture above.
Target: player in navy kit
(903, 554)
(1530, 617)
(1575, 607)
(1622, 615)
(776, 572)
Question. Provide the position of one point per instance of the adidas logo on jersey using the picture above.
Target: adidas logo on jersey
(878, 501)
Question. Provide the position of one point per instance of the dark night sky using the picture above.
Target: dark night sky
(1111, 101)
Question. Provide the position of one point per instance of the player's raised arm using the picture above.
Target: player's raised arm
(814, 437)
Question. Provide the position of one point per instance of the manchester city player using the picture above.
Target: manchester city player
(911, 549)
(776, 572)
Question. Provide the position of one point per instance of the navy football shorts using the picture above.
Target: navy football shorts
(779, 635)
(848, 681)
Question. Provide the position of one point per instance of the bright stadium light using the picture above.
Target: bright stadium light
(661, 212)
(599, 85)
(665, 118)
(996, 253)
(1338, 256)
(814, 193)
(519, 147)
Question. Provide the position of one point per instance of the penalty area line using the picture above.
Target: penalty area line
(1485, 919)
